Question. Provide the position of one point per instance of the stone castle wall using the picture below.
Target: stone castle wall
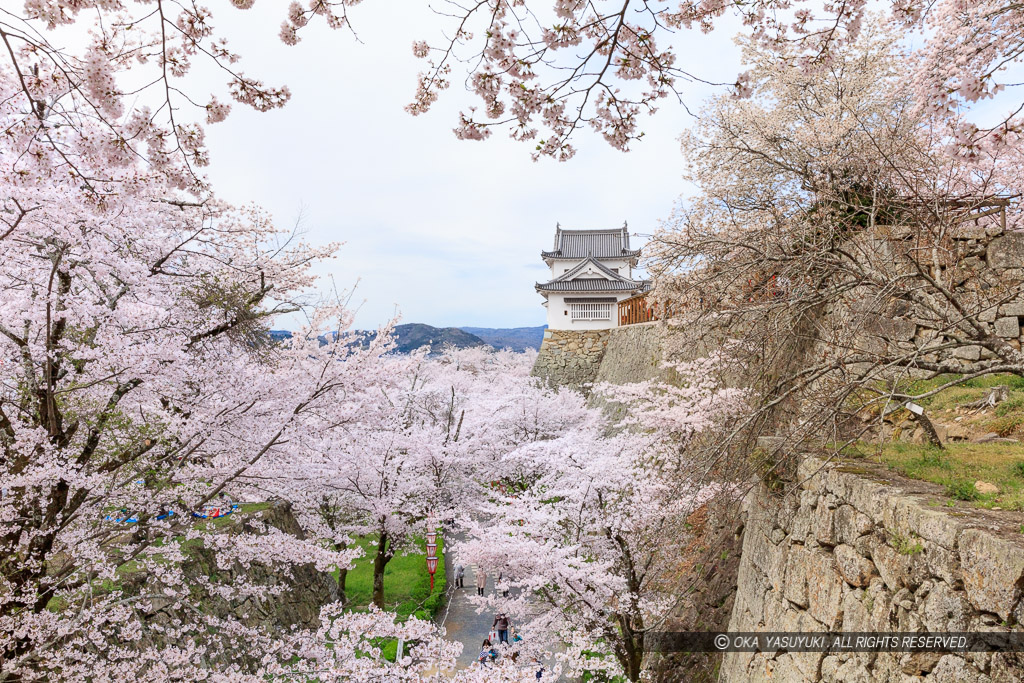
(995, 256)
(633, 354)
(571, 357)
(581, 358)
(856, 550)
(848, 549)
(618, 356)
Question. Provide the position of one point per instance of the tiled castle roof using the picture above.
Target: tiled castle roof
(601, 244)
(568, 282)
(594, 285)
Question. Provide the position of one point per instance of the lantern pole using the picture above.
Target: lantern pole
(431, 548)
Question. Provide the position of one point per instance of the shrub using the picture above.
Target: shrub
(962, 490)
(1006, 425)
(1012, 405)
(904, 545)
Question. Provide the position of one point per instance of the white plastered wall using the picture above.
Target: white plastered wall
(558, 311)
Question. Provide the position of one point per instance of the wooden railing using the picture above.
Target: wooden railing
(638, 309)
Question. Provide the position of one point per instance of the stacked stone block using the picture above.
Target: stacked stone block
(850, 552)
(1000, 255)
(571, 358)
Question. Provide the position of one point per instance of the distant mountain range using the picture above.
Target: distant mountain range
(515, 338)
(412, 336)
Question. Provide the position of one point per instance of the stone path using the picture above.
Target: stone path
(460, 619)
(459, 616)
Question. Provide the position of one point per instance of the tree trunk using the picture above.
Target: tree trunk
(929, 430)
(631, 653)
(992, 397)
(380, 561)
(342, 575)
(633, 662)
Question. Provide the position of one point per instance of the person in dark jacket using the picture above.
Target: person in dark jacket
(501, 626)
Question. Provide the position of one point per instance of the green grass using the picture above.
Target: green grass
(1008, 417)
(1010, 406)
(968, 391)
(243, 509)
(962, 490)
(984, 382)
(960, 465)
(904, 545)
(406, 581)
(406, 585)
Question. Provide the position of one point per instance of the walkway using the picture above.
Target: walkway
(460, 619)
(459, 616)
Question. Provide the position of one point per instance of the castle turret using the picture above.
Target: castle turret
(591, 271)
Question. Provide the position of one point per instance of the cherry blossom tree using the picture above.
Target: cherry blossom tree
(541, 69)
(137, 376)
(840, 246)
(426, 442)
(382, 482)
(503, 408)
(137, 379)
(593, 532)
(544, 71)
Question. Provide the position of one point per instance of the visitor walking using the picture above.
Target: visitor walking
(481, 580)
(487, 652)
(501, 625)
(501, 585)
(460, 573)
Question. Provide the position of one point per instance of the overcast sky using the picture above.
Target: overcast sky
(443, 231)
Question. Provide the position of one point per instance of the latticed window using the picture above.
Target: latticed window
(590, 311)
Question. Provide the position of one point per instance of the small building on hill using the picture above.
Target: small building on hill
(591, 271)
